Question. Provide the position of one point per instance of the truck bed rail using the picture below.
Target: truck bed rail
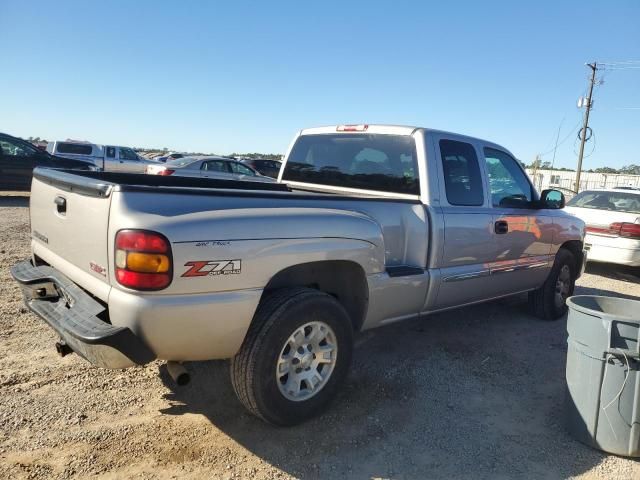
(99, 184)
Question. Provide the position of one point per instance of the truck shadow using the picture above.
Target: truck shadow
(614, 272)
(477, 392)
(10, 200)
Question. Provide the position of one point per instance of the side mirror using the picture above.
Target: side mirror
(552, 199)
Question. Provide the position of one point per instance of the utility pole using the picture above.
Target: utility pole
(583, 133)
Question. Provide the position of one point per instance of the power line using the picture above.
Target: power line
(616, 62)
(571, 132)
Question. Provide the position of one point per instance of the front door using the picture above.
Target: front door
(129, 161)
(17, 161)
(523, 234)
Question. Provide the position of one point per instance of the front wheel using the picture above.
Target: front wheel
(549, 301)
(295, 356)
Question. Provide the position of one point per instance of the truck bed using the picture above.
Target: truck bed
(98, 183)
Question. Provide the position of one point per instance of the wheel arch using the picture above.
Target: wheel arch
(576, 248)
(344, 280)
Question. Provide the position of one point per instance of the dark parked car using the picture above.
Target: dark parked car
(270, 168)
(18, 158)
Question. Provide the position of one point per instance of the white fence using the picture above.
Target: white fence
(558, 178)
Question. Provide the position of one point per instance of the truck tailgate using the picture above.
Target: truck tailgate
(69, 231)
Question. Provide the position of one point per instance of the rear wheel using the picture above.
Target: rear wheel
(295, 356)
(549, 301)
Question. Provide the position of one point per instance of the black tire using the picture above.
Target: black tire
(253, 369)
(543, 301)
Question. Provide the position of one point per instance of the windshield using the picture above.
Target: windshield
(613, 201)
(372, 162)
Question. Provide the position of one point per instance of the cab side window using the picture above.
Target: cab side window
(509, 185)
(111, 152)
(14, 149)
(215, 166)
(462, 179)
(128, 154)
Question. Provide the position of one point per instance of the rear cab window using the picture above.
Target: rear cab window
(375, 162)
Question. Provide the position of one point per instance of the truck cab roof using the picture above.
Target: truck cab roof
(389, 129)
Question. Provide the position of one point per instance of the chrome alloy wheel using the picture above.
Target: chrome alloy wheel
(563, 285)
(306, 361)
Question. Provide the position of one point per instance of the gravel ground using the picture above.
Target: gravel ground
(473, 393)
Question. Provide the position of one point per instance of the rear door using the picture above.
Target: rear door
(523, 234)
(469, 247)
(216, 169)
(111, 162)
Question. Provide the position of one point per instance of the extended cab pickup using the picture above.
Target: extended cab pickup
(368, 225)
(107, 158)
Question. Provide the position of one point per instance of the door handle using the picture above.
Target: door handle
(501, 227)
(61, 205)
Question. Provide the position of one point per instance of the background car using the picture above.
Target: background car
(109, 158)
(168, 158)
(612, 219)
(270, 168)
(208, 167)
(18, 158)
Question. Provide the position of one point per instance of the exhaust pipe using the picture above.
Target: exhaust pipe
(178, 373)
(63, 349)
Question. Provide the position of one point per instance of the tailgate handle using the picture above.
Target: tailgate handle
(61, 204)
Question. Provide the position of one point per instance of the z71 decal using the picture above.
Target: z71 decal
(205, 268)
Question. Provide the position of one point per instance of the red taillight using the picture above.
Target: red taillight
(617, 229)
(141, 241)
(602, 230)
(627, 230)
(143, 260)
(166, 172)
(141, 281)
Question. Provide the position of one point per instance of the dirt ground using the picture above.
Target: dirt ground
(474, 393)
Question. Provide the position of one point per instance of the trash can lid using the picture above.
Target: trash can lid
(610, 308)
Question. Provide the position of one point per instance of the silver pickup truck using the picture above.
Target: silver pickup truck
(367, 225)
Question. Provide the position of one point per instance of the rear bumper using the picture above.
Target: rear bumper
(585, 255)
(598, 252)
(73, 314)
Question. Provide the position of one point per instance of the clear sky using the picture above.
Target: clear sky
(245, 76)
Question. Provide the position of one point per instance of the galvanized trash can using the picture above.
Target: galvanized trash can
(603, 373)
